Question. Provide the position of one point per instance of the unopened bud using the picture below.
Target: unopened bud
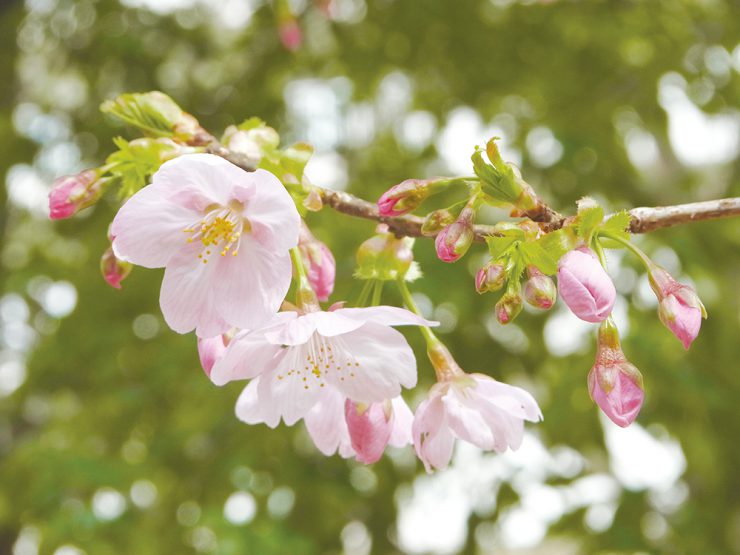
(539, 290)
(490, 277)
(508, 306)
(113, 269)
(454, 240)
(614, 383)
(72, 193)
(313, 202)
(384, 256)
(408, 195)
(680, 308)
(210, 350)
(318, 262)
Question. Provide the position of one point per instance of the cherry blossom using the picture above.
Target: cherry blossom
(221, 233)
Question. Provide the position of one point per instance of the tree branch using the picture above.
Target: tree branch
(644, 219)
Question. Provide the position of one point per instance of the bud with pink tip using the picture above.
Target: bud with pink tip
(319, 263)
(455, 240)
(509, 305)
(406, 196)
(490, 277)
(585, 286)
(614, 383)
(539, 290)
(114, 270)
(72, 193)
(372, 427)
(680, 308)
(210, 350)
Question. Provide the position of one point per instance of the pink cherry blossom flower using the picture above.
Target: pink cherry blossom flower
(372, 427)
(474, 408)
(319, 262)
(299, 360)
(680, 308)
(585, 286)
(223, 236)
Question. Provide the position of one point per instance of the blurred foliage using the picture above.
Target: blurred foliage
(110, 398)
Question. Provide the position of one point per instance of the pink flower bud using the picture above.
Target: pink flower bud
(585, 286)
(113, 269)
(404, 197)
(490, 277)
(72, 193)
(370, 428)
(210, 349)
(455, 240)
(508, 307)
(319, 263)
(614, 383)
(290, 35)
(680, 308)
(540, 290)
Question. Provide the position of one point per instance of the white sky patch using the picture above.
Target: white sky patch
(356, 539)
(27, 189)
(143, 493)
(543, 147)
(328, 169)
(640, 460)
(464, 130)
(59, 299)
(240, 508)
(697, 138)
(315, 109)
(416, 130)
(108, 504)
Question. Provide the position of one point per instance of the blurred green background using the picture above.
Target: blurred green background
(113, 441)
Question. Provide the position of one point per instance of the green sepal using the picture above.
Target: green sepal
(133, 164)
(589, 219)
(617, 225)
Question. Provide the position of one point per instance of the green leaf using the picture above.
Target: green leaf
(154, 112)
(135, 162)
(588, 220)
(498, 246)
(557, 243)
(533, 253)
(617, 225)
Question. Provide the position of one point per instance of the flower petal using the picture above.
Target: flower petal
(197, 180)
(251, 285)
(386, 315)
(433, 440)
(149, 229)
(247, 356)
(383, 363)
(514, 400)
(403, 419)
(292, 393)
(270, 210)
(465, 420)
(186, 297)
(325, 423)
(254, 408)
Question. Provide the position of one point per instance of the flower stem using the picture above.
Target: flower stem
(364, 293)
(408, 300)
(599, 250)
(644, 258)
(377, 293)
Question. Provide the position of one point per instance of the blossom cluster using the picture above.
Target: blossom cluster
(234, 243)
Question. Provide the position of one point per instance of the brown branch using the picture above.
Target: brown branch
(644, 219)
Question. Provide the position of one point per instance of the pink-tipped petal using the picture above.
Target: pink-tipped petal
(326, 426)
(585, 286)
(271, 212)
(369, 428)
(403, 420)
(387, 316)
(247, 356)
(210, 349)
